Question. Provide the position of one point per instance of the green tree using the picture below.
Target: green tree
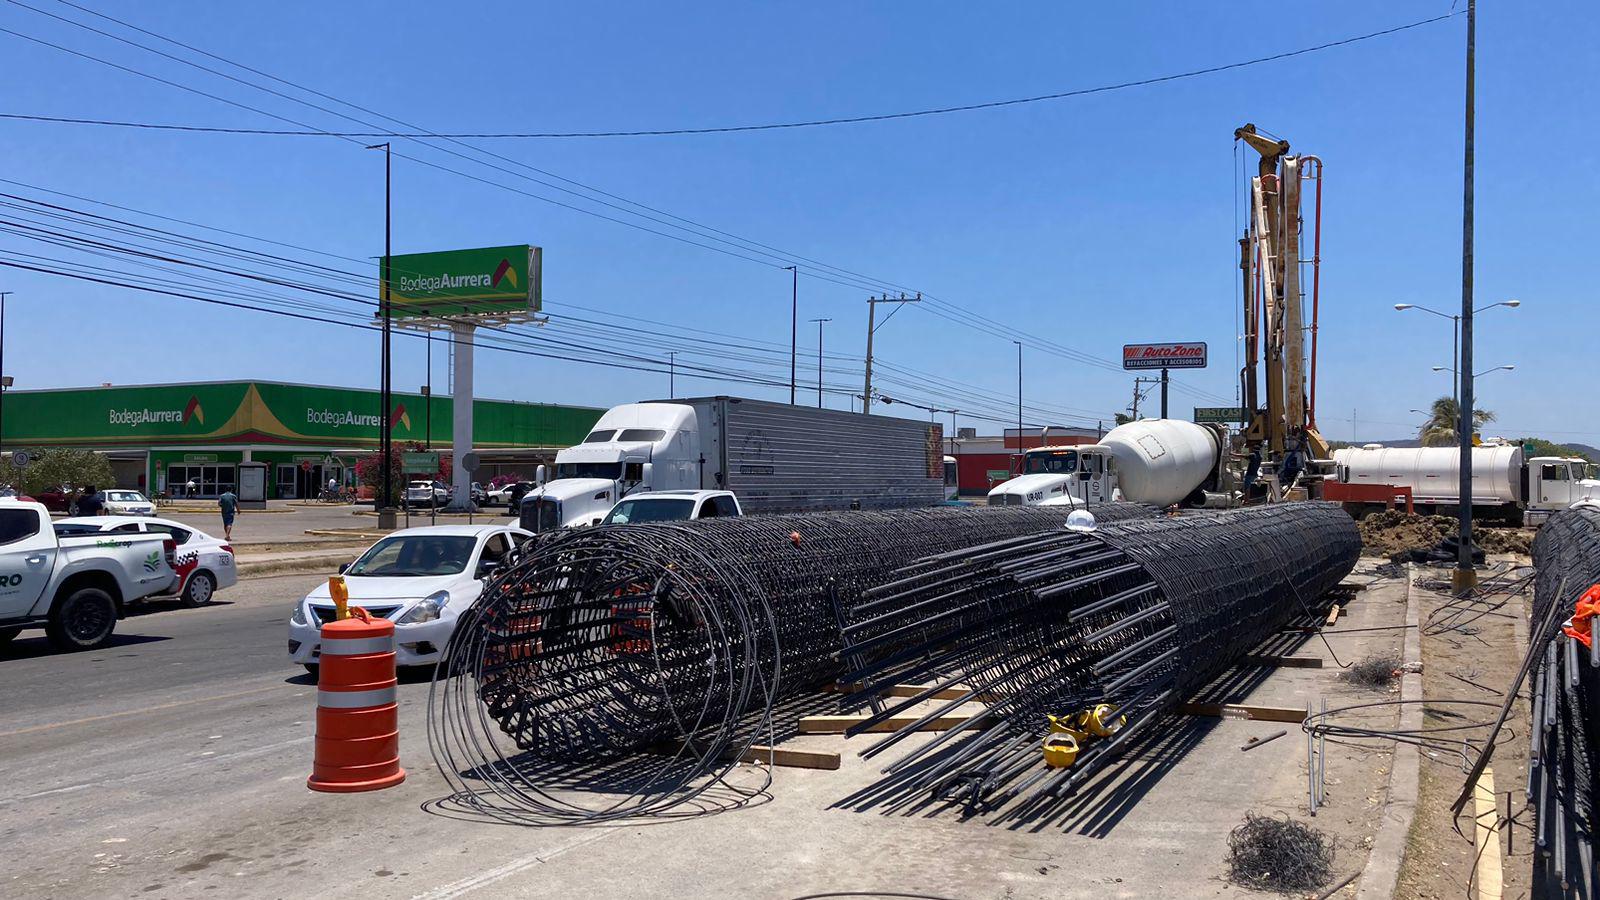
(1123, 418)
(1533, 446)
(1440, 428)
(58, 466)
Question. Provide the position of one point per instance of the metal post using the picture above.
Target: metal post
(953, 431)
(1019, 400)
(1164, 381)
(427, 396)
(1465, 576)
(672, 374)
(1455, 360)
(3, 296)
(819, 359)
(794, 325)
(385, 499)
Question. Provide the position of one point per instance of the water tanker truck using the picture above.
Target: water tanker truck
(1155, 461)
(1505, 485)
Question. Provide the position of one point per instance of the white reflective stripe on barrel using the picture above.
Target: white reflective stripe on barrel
(356, 646)
(356, 699)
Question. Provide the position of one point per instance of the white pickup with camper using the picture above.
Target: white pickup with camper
(774, 456)
(75, 588)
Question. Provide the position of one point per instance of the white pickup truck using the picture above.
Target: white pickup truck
(673, 506)
(73, 587)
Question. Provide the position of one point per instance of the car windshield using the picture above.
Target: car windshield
(653, 509)
(124, 496)
(415, 555)
(607, 470)
(1054, 463)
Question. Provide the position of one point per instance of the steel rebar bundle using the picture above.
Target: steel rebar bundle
(1137, 615)
(600, 643)
(1565, 692)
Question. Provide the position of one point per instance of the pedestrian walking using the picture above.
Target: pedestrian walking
(229, 504)
(191, 488)
(90, 503)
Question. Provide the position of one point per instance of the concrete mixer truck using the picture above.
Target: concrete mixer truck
(1155, 461)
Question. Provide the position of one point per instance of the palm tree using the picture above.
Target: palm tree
(1440, 429)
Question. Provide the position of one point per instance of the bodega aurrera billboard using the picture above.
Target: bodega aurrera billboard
(487, 281)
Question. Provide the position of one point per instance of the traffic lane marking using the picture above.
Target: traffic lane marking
(162, 772)
(499, 873)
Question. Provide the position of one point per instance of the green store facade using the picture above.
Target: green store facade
(163, 437)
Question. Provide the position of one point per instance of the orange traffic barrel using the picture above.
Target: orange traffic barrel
(358, 722)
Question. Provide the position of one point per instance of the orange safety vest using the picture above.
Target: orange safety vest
(1581, 625)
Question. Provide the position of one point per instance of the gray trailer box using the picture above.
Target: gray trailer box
(782, 458)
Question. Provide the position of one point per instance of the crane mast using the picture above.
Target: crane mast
(1281, 429)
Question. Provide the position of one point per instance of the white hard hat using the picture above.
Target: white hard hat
(1081, 520)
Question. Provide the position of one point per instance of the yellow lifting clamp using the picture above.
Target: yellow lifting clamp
(1060, 750)
(1101, 720)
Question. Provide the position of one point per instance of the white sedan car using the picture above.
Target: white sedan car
(421, 578)
(204, 564)
(127, 503)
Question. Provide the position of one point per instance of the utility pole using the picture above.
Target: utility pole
(794, 326)
(1139, 395)
(3, 296)
(386, 434)
(1164, 381)
(819, 359)
(953, 431)
(1465, 577)
(872, 318)
(1019, 399)
(672, 375)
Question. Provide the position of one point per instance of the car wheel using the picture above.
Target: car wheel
(7, 635)
(200, 590)
(313, 669)
(83, 620)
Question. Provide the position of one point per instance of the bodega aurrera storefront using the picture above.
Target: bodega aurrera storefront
(165, 437)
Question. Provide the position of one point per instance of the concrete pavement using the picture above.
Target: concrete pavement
(173, 764)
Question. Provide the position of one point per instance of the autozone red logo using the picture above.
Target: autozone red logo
(1186, 355)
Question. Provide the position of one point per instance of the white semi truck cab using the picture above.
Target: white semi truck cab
(775, 457)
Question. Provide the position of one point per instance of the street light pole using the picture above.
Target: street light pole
(1019, 396)
(819, 359)
(3, 296)
(1465, 577)
(794, 325)
(386, 433)
(1455, 335)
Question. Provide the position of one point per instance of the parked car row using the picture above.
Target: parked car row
(114, 501)
(433, 494)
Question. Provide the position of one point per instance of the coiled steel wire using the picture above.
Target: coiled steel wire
(600, 644)
(1137, 614)
(1565, 692)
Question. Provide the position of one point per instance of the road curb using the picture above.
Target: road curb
(1381, 876)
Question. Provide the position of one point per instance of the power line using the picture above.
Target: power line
(725, 129)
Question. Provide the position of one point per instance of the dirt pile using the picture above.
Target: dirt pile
(1391, 531)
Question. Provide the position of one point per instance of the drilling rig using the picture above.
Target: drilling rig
(1280, 439)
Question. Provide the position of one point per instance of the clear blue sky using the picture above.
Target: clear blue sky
(1091, 221)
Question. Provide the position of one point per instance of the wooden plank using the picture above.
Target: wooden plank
(1241, 711)
(1333, 615)
(791, 758)
(1283, 662)
(839, 724)
(1486, 838)
(1350, 586)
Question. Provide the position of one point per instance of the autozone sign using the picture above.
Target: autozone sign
(1188, 355)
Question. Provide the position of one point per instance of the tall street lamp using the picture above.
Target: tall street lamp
(386, 435)
(1455, 331)
(794, 325)
(1019, 400)
(819, 360)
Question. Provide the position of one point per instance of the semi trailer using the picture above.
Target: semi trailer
(775, 457)
(1155, 461)
(1505, 485)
